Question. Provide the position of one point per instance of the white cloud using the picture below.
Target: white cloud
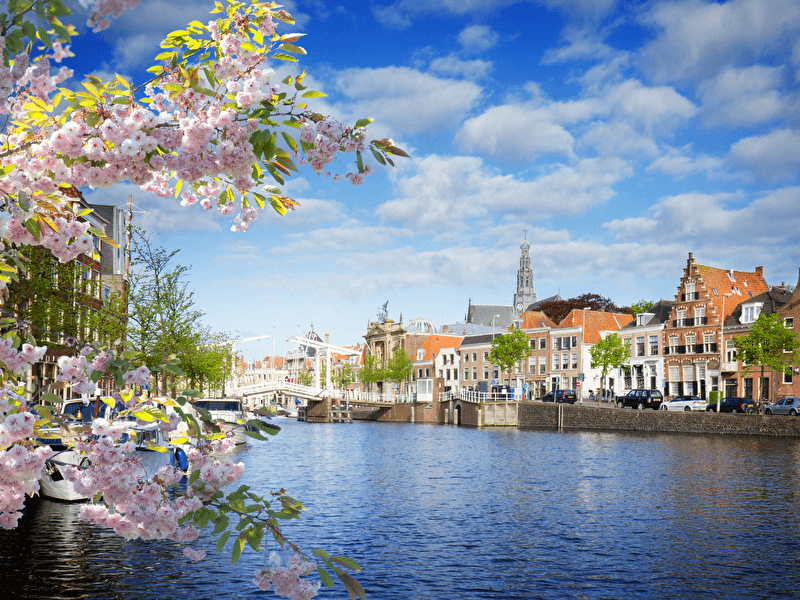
(698, 39)
(722, 221)
(477, 38)
(405, 100)
(653, 108)
(774, 156)
(453, 66)
(515, 133)
(447, 192)
(679, 163)
(743, 97)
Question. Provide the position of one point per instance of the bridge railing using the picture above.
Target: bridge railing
(307, 392)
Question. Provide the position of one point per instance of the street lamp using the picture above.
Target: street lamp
(721, 351)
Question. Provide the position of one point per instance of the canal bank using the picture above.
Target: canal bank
(580, 417)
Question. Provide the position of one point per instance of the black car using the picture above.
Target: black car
(565, 396)
(641, 399)
(734, 405)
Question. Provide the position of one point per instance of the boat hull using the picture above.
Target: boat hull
(52, 483)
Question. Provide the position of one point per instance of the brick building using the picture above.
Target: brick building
(706, 297)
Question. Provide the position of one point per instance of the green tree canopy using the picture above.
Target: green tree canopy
(399, 367)
(641, 306)
(609, 353)
(768, 345)
(508, 349)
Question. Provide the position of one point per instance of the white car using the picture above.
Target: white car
(685, 403)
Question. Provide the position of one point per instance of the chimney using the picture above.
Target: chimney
(760, 271)
(445, 329)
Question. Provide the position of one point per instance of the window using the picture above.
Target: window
(557, 343)
(542, 365)
(485, 372)
(441, 374)
(708, 343)
(485, 355)
(466, 374)
(788, 322)
(673, 344)
(574, 360)
(556, 362)
(640, 345)
(690, 342)
(730, 351)
(542, 343)
(466, 357)
(565, 343)
(653, 345)
(574, 341)
(750, 312)
(475, 373)
(699, 315)
(681, 317)
(690, 293)
(474, 357)
(565, 361)
(788, 378)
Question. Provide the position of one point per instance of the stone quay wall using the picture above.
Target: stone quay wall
(577, 417)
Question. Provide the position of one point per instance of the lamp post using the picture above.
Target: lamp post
(721, 350)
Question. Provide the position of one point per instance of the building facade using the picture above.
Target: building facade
(706, 298)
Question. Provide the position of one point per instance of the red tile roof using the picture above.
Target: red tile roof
(592, 322)
(435, 343)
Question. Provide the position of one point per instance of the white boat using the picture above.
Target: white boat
(52, 483)
(227, 410)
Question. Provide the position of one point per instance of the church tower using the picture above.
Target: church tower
(525, 294)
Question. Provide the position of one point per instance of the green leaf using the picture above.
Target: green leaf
(291, 48)
(346, 562)
(221, 524)
(238, 546)
(174, 369)
(363, 123)
(222, 541)
(313, 94)
(254, 537)
(22, 199)
(324, 577)
(353, 587)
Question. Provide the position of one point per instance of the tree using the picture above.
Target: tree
(508, 349)
(344, 376)
(768, 345)
(641, 306)
(203, 128)
(559, 309)
(371, 371)
(399, 367)
(609, 353)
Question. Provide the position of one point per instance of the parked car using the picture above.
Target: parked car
(568, 396)
(641, 399)
(734, 405)
(685, 403)
(790, 405)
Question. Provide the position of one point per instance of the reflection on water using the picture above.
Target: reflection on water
(436, 512)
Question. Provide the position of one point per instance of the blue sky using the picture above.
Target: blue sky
(622, 135)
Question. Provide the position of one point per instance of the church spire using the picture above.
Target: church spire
(525, 294)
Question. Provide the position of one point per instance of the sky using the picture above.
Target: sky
(616, 136)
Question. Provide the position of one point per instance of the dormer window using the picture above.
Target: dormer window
(750, 312)
(420, 354)
(643, 319)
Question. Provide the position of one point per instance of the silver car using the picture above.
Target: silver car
(790, 405)
(685, 403)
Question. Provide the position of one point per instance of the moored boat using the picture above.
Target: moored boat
(79, 411)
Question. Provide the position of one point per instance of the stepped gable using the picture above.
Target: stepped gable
(742, 285)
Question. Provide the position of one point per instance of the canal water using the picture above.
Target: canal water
(449, 513)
